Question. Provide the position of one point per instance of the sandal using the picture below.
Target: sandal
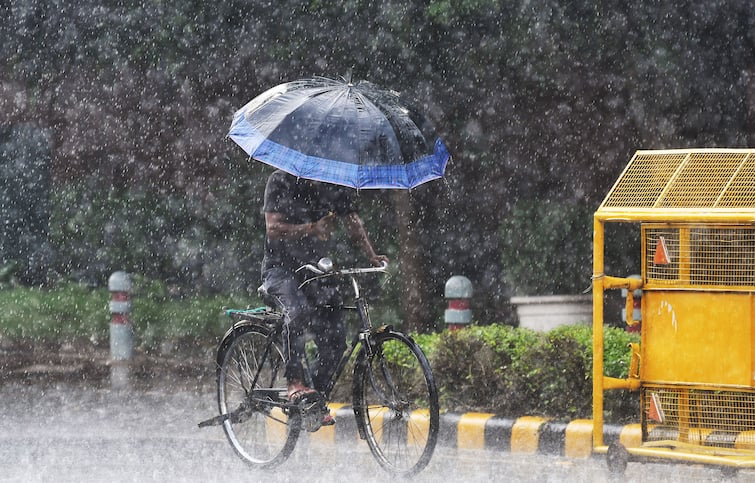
(298, 392)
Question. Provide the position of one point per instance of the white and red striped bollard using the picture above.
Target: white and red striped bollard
(458, 292)
(121, 331)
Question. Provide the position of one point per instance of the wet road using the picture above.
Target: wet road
(73, 432)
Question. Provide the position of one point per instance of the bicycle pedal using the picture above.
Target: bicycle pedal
(216, 421)
(311, 421)
(314, 420)
(315, 414)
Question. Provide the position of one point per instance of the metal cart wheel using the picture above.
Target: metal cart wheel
(617, 458)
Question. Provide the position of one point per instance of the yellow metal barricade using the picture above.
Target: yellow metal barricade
(695, 365)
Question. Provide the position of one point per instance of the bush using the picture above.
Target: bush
(474, 367)
(515, 372)
(74, 311)
(158, 316)
(70, 311)
(556, 379)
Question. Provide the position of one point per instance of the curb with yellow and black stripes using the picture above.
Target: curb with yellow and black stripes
(526, 434)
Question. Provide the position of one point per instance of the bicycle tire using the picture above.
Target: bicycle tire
(260, 431)
(396, 403)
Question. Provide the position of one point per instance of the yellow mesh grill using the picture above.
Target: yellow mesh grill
(709, 178)
(664, 274)
(701, 255)
(644, 180)
(740, 190)
(709, 417)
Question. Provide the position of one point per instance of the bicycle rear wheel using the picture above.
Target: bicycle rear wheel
(396, 403)
(259, 429)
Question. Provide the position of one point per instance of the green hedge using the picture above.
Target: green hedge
(75, 311)
(158, 316)
(69, 311)
(495, 368)
(514, 371)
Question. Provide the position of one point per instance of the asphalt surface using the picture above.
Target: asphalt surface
(70, 431)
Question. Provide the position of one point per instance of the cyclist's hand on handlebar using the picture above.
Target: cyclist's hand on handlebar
(379, 260)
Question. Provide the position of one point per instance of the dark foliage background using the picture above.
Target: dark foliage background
(113, 116)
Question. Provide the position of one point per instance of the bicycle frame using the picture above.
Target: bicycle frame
(361, 338)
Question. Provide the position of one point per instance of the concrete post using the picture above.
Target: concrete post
(458, 292)
(121, 332)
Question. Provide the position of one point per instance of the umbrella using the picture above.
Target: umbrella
(351, 134)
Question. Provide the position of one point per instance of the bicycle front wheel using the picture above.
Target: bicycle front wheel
(396, 403)
(260, 430)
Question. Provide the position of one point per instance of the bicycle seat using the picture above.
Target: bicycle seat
(266, 298)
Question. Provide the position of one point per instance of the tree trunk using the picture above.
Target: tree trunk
(411, 267)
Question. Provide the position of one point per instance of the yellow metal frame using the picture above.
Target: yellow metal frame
(710, 187)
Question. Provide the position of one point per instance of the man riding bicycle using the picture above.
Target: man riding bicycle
(300, 219)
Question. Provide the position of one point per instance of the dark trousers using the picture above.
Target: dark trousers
(303, 311)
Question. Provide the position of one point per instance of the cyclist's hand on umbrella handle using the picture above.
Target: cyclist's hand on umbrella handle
(324, 227)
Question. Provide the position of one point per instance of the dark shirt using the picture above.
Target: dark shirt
(302, 201)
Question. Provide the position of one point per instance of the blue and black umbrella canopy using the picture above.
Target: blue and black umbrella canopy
(356, 135)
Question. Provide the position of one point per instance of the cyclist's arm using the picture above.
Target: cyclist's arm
(278, 228)
(358, 235)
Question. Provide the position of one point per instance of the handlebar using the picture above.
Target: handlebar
(383, 268)
(325, 268)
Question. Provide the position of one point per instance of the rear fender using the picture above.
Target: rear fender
(231, 334)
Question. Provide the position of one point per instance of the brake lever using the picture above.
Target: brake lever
(311, 268)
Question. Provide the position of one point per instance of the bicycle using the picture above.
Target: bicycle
(394, 396)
